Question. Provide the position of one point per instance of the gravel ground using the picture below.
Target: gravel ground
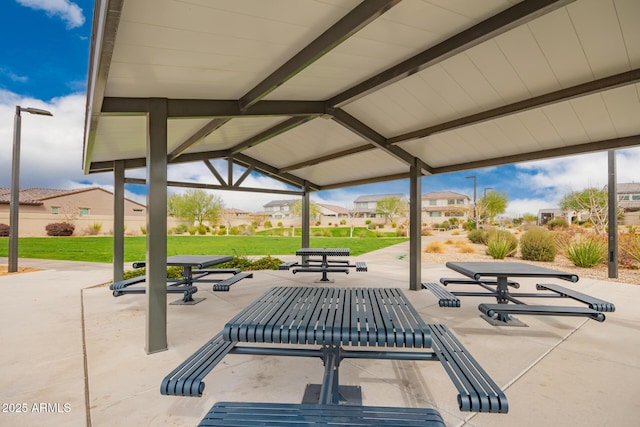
(452, 253)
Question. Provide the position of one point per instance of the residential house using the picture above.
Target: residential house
(87, 208)
(366, 206)
(629, 200)
(546, 215)
(280, 211)
(332, 214)
(439, 206)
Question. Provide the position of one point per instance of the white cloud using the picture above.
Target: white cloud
(50, 147)
(68, 11)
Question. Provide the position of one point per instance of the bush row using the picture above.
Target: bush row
(539, 244)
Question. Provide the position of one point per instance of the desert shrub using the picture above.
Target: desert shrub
(180, 229)
(265, 263)
(465, 248)
(201, 229)
(143, 229)
(94, 229)
(435, 248)
(234, 231)
(172, 273)
(538, 244)
(629, 245)
(280, 224)
(368, 222)
(445, 224)
(267, 224)
(469, 225)
(222, 231)
(60, 229)
(449, 242)
(455, 233)
(192, 231)
(587, 252)
(426, 231)
(477, 236)
(4, 230)
(501, 244)
(557, 223)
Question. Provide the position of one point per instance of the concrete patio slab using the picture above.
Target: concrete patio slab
(63, 322)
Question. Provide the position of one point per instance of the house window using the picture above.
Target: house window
(433, 202)
(137, 210)
(361, 205)
(55, 210)
(84, 211)
(460, 201)
(623, 197)
(451, 201)
(635, 197)
(434, 214)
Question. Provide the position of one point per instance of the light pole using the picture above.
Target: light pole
(15, 186)
(475, 208)
(484, 202)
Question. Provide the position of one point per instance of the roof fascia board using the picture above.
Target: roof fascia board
(142, 181)
(106, 18)
(186, 108)
(351, 23)
(589, 147)
(584, 89)
(500, 23)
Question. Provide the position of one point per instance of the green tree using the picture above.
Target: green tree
(296, 211)
(592, 201)
(390, 207)
(196, 206)
(529, 218)
(493, 204)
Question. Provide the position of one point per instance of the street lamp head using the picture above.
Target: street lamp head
(37, 111)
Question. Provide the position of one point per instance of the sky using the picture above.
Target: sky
(44, 58)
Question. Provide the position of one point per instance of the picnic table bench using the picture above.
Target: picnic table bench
(279, 414)
(493, 277)
(324, 264)
(332, 318)
(123, 287)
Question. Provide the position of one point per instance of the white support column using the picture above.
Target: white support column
(156, 328)
(118, 220)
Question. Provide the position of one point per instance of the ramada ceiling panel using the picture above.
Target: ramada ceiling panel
(179, 130)
(120, 138)
(369, 164)
(623, 105)
(316, 138)
(210, 49)
(512, 67)
(400, 33)
(235, 131)
(598, 28)
(628, 12)
(598, 117)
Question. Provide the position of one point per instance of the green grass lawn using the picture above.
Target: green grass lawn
(100, 249)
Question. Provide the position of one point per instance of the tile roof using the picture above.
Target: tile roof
(443, 195)
(376, 197)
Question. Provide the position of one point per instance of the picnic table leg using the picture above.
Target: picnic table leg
(324, 265)
(186, 273)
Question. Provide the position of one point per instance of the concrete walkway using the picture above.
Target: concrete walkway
(73, 355)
